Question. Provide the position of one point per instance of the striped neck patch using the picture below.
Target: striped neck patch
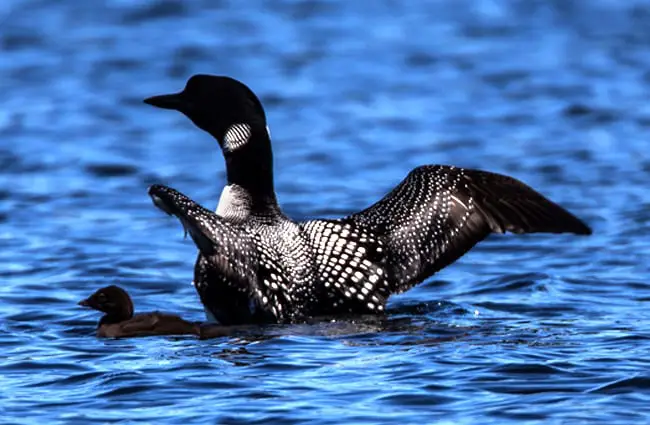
(236, 136)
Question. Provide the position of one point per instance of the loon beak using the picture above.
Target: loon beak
(167, 101)
(84, 303)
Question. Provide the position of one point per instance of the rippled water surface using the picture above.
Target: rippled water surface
(536, 328)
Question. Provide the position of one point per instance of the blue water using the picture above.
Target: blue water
(524, 329)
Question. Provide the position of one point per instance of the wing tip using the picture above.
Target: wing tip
(581, 228)
(576, 227)
(569, 223)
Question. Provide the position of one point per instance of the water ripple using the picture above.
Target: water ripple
(523, 329)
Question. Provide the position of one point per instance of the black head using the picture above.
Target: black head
(214, 104)
(112, 300)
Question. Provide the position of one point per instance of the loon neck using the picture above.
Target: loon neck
(250, 167)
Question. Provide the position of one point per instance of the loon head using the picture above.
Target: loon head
(222, 106)
(112, 300)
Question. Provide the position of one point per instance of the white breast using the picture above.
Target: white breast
(234, 203)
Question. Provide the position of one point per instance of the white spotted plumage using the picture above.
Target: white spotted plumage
(298, 266)
(282, 271)
(256, 265)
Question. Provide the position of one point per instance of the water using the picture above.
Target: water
(524, 329)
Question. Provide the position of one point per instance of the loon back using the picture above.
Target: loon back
(352, 265)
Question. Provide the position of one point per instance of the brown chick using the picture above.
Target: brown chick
(119, 321)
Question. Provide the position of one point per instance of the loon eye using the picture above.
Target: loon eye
(101, 297)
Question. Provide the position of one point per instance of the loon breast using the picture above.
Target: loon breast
(234, 204)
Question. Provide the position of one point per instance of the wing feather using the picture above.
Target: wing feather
(438, 213)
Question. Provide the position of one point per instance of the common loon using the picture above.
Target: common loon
(119, 322)
(256, 265)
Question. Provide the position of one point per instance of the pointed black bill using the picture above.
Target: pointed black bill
(166, 101)
(84, 303)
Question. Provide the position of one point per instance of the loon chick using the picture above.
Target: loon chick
(119, 321)
(257, 265)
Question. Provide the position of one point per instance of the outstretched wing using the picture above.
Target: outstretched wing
(439, 212)
(240, 275)
(223, 244)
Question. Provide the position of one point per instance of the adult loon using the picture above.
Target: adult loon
(257, 265)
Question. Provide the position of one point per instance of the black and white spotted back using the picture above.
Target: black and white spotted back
(350, 266)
